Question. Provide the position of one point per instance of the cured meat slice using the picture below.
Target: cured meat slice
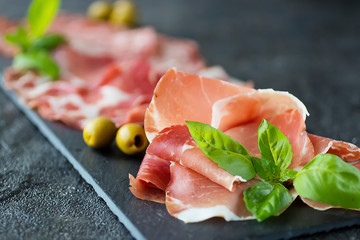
(152, 179)
(192, 197)
(346, 151)
(78, 97)
(221, 104)
(180, 96)
(290, 123)
(175, 144)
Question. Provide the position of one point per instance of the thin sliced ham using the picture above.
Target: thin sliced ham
(191, 197)
(175, 144)
(174, 96)
(236, 110)
(290, 123)
(152, 179)
(346, 151)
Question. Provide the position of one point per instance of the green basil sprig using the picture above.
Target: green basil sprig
(33, 44)
(326, 178)
(272, 197)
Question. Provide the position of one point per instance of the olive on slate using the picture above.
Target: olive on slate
(124, 13)
(99, 132)
(99, 10)
(131, 138)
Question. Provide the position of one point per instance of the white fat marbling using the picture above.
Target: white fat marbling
(201, 214)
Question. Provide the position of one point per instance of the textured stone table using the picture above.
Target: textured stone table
(309, 48)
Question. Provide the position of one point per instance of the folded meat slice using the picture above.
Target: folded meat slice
(152, 179)
(79, 94)
(175, 144)
(223, 105)
(180, 96)
(346, 151)
(290, 123)
(191, 197)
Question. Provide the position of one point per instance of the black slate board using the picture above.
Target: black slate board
(108, 170)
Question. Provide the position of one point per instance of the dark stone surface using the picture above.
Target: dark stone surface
(308, 48)
(41, 195)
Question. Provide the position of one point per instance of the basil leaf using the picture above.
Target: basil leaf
(266, 169)
(40, 15)
(328, 179)
(37, 60)
(265, 199)
(48, 42)
(19, 38)
(274, 145)
(229, 154)
(288, 174)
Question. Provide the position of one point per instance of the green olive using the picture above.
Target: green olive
(124, 13)
(99, 132)
(99, 10)
(131, 138)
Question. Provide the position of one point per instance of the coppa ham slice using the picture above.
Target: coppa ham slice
(236, 110)
(79, 96)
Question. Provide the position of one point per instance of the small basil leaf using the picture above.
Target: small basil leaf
(288, 174)
(236, 164)
(38, 60)
(274, 145)
(229, 154)
(19, 38)
(328, 179)
(265, 199)
(41, 14)
(266, 169)
(48, 42)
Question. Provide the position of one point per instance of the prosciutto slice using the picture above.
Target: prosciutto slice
(191, 197)
(236, 110)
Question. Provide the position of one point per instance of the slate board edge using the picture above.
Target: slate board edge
(55, 141)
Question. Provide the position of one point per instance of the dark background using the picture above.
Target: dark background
(309, 48)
